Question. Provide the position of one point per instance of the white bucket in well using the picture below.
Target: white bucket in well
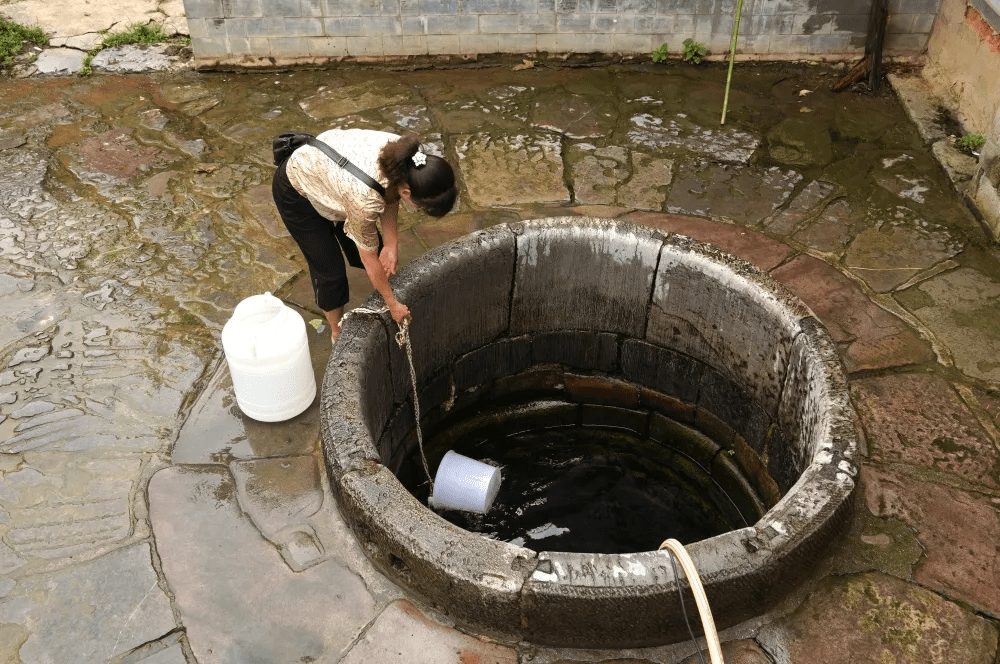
(268, 355)
(464, 484)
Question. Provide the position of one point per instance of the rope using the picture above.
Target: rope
(701, 599)
(403, 341)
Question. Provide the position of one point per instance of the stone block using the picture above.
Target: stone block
(482, 366)
(357, 8)
(362, 400)
(344, 26)
(260, 46)
(856, 24)
(289, 46)
(659, 26)
(475, 577)
(452, 24)
(571, 348)
(231, 27)
(328, 47)
(446, 7)
(728, 401)
(265, 27)
(575, 23)
(198, 27)
(575, 43)
(209, 48)
(239, 46)
(519, 43)
(512, 169)
(637, 7)
(704, 27)
(381, 25)
(479, 44)
(242, 8)
(365, 46)
(923, 23)
(684, 24)
(629, 43)
(608, 284)
(203, 8)
(303, 27)
(736, 490)
(612, 417)
(413, 25)
(914, 6)
(404, 635)
(700, 449)
(835, 43)
(601, 390)
(899, 24)
(443, 44)
(909, 43)
(839, 612)
(692, 296)
(789, 44)
(467, 306)
(661, 369)
(408, 8)
(494, 24)
(202, 536)
(919, 420)
(313, 8)
(410, 45)
(570, 596)
(757, 44)
(93, 611)
(536, 23)
(281, 8)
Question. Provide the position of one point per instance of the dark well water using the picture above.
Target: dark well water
(586, 489)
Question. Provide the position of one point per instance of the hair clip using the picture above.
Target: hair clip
(419, 159)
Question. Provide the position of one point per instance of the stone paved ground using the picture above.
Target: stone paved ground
(144, 519)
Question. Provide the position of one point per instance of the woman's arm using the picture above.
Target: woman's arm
(380, 280)
(390, 234)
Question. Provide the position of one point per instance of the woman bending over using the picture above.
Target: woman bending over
(328, 210)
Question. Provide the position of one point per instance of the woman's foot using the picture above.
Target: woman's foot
(333, 318)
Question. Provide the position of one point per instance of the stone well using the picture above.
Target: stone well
(654, 331)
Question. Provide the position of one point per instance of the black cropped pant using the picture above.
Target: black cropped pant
(320, 240)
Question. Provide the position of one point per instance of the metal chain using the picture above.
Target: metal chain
(403, 341)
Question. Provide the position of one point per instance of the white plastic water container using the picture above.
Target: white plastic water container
(268, 355)
(464, 484)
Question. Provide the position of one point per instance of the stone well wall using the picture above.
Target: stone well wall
(278, 32)
(622, 324)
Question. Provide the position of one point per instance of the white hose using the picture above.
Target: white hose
(700, 598)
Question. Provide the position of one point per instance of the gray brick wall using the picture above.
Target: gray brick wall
(307, 30)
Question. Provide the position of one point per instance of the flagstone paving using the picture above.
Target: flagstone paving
(144, 518)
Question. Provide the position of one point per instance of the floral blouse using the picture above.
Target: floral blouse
(336, 193)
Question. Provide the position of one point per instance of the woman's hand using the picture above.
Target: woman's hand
(388, 259)
(399, 311)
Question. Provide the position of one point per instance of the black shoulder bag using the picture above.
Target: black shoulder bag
(283, 147)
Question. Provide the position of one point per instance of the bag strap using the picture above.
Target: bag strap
(347, 165)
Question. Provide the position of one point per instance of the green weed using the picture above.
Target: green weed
(12, 38)
(694, 51)
(972, 142)
(661, 54)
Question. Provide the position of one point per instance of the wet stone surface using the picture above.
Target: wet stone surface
(135, 213)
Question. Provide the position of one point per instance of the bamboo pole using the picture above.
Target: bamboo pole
(732, 57)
